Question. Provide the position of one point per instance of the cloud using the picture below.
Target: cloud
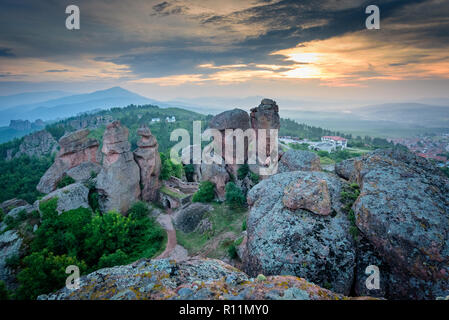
(213, 41)
(6, 52)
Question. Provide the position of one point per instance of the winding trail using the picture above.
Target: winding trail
(172, 249)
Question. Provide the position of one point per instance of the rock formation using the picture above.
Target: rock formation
(75, 149)
(10, 243)
(266, 117)
(9, 205)
(118, 183)
(192, 279)
(403, 216)
(37, 144)
(188, 217)
(72, 197)
(296, 227)
(299, 160)
(216, 174)
(149, 162)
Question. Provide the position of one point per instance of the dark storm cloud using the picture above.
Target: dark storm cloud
(6, 52)
(287, 24)
(35, 29)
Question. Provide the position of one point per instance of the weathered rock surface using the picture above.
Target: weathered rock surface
(188, 217)
(403, 212)
(299, 160)
(10, 243)
(216, 174)
(11, 204)
(75, 149)
(149, 162)
(118, 183)
(231, 119)
(192, 279)
(290, 235)
(266, 115)
(72, 197)
(37, 144)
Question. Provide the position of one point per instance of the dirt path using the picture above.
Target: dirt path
(166, 223)
(172, 250)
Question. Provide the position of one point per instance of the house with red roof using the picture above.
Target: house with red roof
(336, 140)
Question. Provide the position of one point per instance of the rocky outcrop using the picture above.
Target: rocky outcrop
(192, 279)
(296, 227)
(149, 162)
(231, 119)
(26, 125)
(265, 117)
(299, 160)
(75, 149)
(11, 204)
(216, 174)
(188, 217)
(403, 213)
(72, 197)
(37, 144)
(118, 183)
(10, 243)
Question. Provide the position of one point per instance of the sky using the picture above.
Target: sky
(206, 48)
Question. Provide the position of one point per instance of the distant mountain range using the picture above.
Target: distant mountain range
(66, 106)
(395, 119)
(424, 115)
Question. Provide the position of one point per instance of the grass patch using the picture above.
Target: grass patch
(226, 228)
(172, 193)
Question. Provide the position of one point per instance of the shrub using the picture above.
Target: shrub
(242, 172)
(2, 215)
(139, 210)
(44, 272)
(13, 262)
(66, 181)
(4, 294)
(234, 196)
(169, 168)
(244, 225)
(189, 170)
(232, 251)
(205, 193)
(254, 177)
(114, 259)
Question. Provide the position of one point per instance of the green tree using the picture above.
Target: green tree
(205, 193)
(4, 294)
(44, 272)
(242, 172)
(234, 196)
(114, 259)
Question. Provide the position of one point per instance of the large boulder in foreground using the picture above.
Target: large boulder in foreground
(296, 227)
(76, 148)
(299, 160)
(118, 183)
(72, 197)
(149, 162)
(403, 212)
(192, 279)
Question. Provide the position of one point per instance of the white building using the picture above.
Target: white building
(155, 120)
(339, 142)
(324, 146)
(170, 119)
